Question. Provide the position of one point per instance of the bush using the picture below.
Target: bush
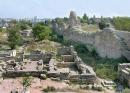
(27, 81)
(122, 23)
(103, 24)
(94, 53)
(41, 32)
(13, 36)
(57, 38)
(66, 42)
(81, 48)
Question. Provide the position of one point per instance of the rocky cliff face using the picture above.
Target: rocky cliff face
(108, 42)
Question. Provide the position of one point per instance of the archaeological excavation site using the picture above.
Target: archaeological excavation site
(64, 51)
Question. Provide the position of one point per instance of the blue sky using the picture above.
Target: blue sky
(61, 8)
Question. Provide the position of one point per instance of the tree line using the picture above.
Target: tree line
(43, 31)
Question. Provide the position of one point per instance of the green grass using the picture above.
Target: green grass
(105, 68)
(90, 28)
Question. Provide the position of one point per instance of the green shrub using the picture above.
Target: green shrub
(94, 53)
(81, 48)
(103, 24)
(27, 81)
(122, 23)
(66, 42)
(57, 38)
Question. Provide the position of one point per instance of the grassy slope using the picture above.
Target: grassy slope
(90, 27)
(104, 67)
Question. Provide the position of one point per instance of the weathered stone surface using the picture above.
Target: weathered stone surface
(124, 73)
(108, 42)
(73, 20)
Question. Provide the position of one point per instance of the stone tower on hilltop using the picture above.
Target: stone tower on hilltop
(74, 21)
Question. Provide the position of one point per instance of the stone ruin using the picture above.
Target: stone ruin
(71, 67)
(44, 64)
(38, 63)
(124, 73)
(74, 21)
(108, 42)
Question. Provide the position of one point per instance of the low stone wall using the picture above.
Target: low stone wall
(83, 78)
(53, 74)
(23, 73)
(65, 64)
(64, 51)
(68, 58)
(124, 73)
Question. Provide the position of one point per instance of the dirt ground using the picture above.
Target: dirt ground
(37, 86)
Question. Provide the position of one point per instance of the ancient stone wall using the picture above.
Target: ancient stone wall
(124, 73)
(82, 78)
(124, 38)
(23, 73)
(108, 42)
(105, 42)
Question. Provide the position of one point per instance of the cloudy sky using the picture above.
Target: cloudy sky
(60, 8)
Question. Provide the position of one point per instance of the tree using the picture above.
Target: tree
(122, 23)
(65, 19)
(59, 20)
(85, 18)
(93, 20)
(42, 32)
(103, 23)
(13, 36)
(24, 24)
(47, 22)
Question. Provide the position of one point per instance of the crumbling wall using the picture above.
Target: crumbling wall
(105, 42)
(82, 78)
(64, 51)
(124, 73)
(65, 64)
(108, 42)
(124, 38)
(68, 58)
(23, 73)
